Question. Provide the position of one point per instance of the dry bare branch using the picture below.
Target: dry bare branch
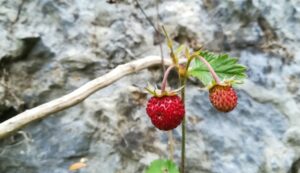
(19, 121)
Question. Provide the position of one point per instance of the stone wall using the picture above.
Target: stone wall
(48, 48)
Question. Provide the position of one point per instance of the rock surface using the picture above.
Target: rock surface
(48, 48)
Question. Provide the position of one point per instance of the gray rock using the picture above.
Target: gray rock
(49, 48)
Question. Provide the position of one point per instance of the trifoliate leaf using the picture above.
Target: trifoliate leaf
(226, 68)
(162, 166)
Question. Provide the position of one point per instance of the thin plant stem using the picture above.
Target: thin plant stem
(171, 144)
(164, 82)
(211, 70)
(183, 127)
(155, 28)
(170, 133)
(183, 80)
(159, 36)
(146, 16)
(163, 89)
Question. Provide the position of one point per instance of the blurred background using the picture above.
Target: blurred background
(51, 47)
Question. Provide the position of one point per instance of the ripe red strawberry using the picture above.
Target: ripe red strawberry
(165, 112)
(223, 97)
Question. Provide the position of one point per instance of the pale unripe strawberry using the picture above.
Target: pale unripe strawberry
(223, 97)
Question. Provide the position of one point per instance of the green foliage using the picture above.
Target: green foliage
(226, 68)
(162, 166)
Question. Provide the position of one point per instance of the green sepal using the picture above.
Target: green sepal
(170, 45)
(187, 52)
(179, 49)
(151, 89)
(162, 166)
(154, 91)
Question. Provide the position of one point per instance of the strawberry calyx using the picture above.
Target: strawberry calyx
(226, 82)
(160, 93)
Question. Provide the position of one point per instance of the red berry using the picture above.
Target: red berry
(223, 97)
(165, 112)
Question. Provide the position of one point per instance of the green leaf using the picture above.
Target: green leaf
(162, 166)
(226, 68)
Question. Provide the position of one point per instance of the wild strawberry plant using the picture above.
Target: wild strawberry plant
(166, 109)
